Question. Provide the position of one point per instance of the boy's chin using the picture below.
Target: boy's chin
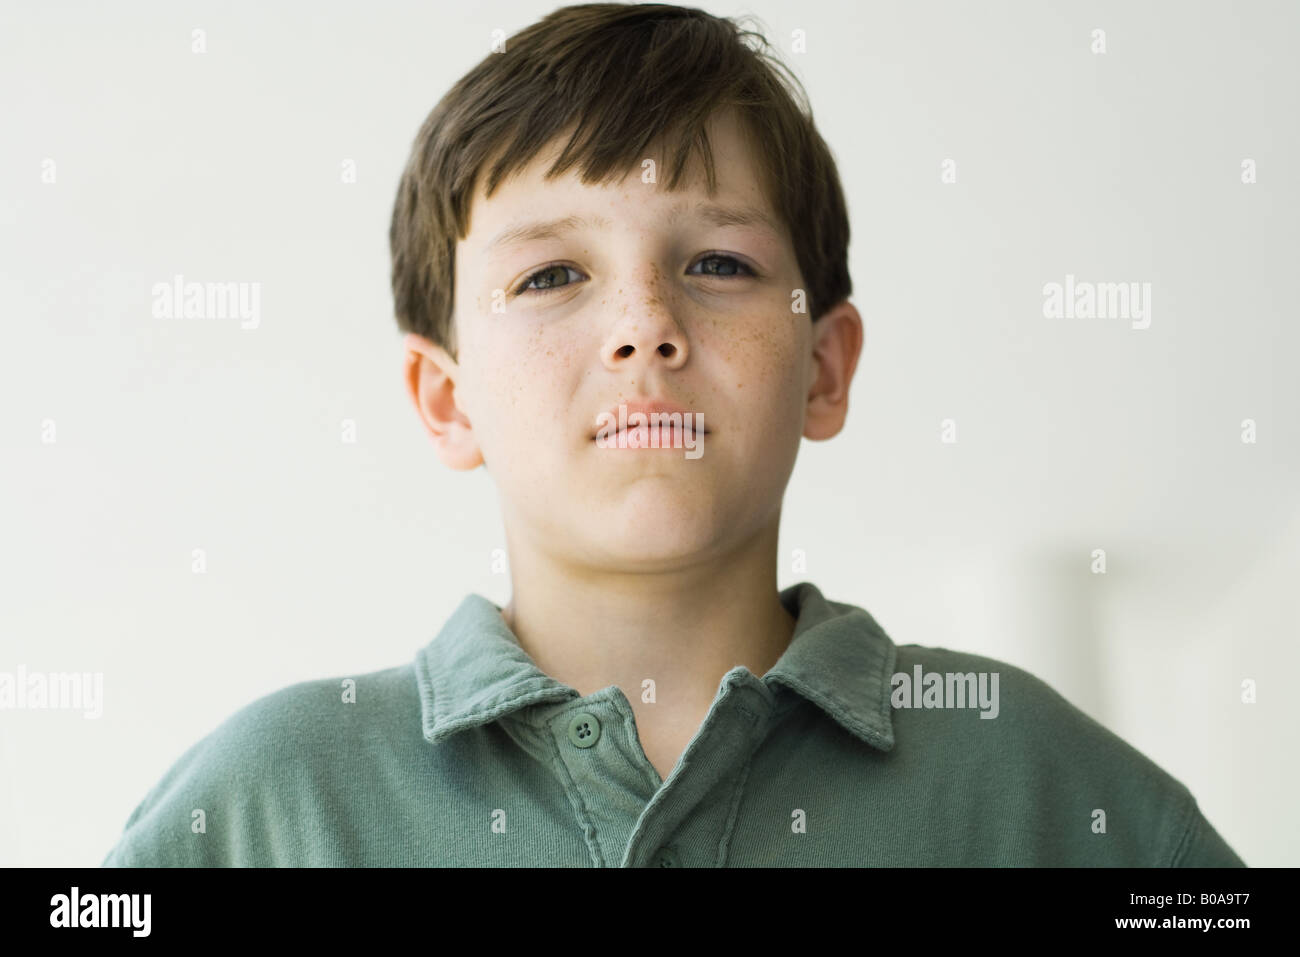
(652, 504)
(650, 552)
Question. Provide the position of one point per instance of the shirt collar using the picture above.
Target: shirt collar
(839, 659)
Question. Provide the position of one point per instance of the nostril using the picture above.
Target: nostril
(667, 350)
(624, 352)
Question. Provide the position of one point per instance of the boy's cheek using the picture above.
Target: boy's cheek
(768, 371)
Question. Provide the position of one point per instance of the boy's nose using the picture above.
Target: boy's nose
(647, 332)
(645, 342)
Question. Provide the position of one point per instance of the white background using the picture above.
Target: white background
(329, 559)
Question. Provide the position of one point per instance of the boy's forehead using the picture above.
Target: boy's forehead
(526, 199)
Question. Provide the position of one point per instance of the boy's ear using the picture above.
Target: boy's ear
(429, 376)
(837, 343)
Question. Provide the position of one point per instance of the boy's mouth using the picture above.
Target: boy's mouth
(671, 417)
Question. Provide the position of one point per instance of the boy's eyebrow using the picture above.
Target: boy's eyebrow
(542, 229)
(710, 213)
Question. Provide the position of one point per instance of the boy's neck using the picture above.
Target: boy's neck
(682, 629)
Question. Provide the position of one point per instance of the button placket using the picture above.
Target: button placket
(609, 788)
(730, 731)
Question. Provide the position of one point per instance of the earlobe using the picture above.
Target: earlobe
(837, 344)
(429, 378)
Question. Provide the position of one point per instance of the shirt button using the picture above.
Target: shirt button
(584, 729)
(666, 857)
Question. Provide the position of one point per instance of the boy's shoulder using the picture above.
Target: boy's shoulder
(226, 797)
(990, 703)
(1015, 742)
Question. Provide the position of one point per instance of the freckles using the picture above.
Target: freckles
(764, 352)
(534, 349)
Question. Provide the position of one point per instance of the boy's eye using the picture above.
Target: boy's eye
(548, 278)
(726, 270)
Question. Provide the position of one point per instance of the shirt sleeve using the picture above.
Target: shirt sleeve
(123, 853)
(119, 856)
(157, 835)
(1203, 847)
(161, 831)
(233, 799)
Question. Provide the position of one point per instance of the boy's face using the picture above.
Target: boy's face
(637, 309)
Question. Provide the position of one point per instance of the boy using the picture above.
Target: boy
(631, 326)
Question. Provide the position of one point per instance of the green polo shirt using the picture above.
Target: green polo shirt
(472, 756)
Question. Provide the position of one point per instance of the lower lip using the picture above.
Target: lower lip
(645, 437)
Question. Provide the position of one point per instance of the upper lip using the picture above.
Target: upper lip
(648, 406)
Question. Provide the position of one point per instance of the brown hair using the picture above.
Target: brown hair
(621, 76)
